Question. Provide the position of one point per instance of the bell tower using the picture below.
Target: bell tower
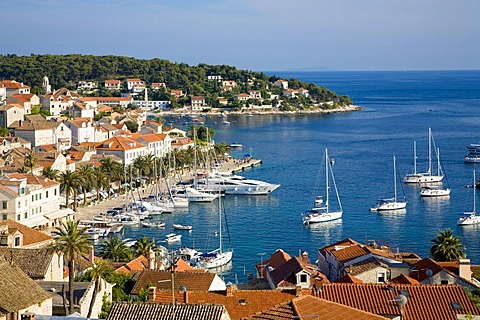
(46, 85)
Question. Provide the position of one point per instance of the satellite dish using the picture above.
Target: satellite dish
(182, 288)
(401, 300)
(429, 273)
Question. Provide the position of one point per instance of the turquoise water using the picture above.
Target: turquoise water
(396, 112)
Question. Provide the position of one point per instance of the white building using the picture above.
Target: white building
(45, 132)
(83, 130)
(156, 144)
(125, 148)
(113, 84)
(151, 105)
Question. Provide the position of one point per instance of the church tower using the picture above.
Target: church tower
(46, 85)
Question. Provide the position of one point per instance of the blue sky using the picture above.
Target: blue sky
(254, 34)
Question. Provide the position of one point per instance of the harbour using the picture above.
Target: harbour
(362, 145)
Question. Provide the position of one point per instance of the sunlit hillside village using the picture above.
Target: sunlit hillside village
(47, 138)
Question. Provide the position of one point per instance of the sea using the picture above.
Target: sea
(398, 108)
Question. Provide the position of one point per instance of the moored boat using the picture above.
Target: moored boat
(158, 224)
(473, 155)
(172, 237)
(182, 227)
(390, 204)
(470, 218)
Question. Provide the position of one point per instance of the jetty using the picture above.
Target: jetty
(238, 165)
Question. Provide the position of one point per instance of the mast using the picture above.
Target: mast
(474, 195)
(429, 151)
(415, 157)
(394, 180)
(326, 179)
(195, 156)
(220, 220)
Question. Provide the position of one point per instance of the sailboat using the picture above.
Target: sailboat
(437, 190)
(217, 257)
(324, 214)
(390, 204)
(471, 217)
(426, 177)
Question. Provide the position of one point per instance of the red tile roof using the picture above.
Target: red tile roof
(277, 258)
(348, 278)
(424, 302)
(403, 279)
(30, 236)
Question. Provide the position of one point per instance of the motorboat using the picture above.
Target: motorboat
(129, 242)
(325, 213)
(101, 228)
(194, 195)
(236, 185)
(434, 191)
(473, 155)
(391, 203)
(172, 237)
(429, 176)
(157, 224)
(182, 227)
(236, 145)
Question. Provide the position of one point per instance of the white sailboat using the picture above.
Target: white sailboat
(391, 204)
(435, 190)
(217, 257)
(426, 177)
(324, 214)
(470, 218)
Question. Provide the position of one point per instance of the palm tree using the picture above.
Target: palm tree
(50, 173)
(86, 174)
(113, 169)
(69, 182)
(98, 272)
(144, 245)
(100, 180)
(72, 242)
(30, 161)
(115, 250)
(447, 247)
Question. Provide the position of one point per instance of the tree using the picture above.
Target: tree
(115, 250)
(98, 272)
(4, 132)
(144, 245)
(446, 247)
(69, 182)
(30, 161)
(113, 169)
(50, 173)
(70, 240)
(86, 174)
(100, 180)
(132, 125)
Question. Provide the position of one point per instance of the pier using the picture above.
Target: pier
(238, 165)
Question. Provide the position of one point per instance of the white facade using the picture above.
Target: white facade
(46, 133)
(82, 130)
(151, 105)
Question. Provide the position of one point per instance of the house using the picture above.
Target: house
(281, 83)
(135, 85)
(158, 85)
(158, 311)
(124, 148)
(3, 94)
(36, 201)
(28, 101)
(44, 132)
(304, 92)
(87, 86)
(39, 264)
(182, 143)
(177, 93)
(152, 104)
(214, 78)
(156, 144)
(82, 110)
(194, 281)
(20, 294)
(198, 102)
(9, 143)
(139, 264)
(17, 235)
(83, 130)
(113, 85)
(295, 273)
(151, 126)
(115, 101)
(51, 158)
(290, 93)
(11, 113)
(277, 258)
(59, 101)
(240, 304)
(305, 307)
(229, 83)
(370, 270)
(242, 97)
(105, 131)
(223, 101)
(13, 87)
(255, 94)
(419, 302)
(14, 161)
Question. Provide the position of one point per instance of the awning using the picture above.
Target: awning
(59, 214)
(35, 221)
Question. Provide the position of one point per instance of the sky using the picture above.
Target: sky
(257, 35)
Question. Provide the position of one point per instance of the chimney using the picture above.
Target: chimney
(185, 296)
(91, 256)
(151, 259)
(305, 257)
(298, 291)
(464, 270)
(28, 316)
(152, 294)
(230, 288)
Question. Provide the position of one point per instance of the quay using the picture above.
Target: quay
(238, 165)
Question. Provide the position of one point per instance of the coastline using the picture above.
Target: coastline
(259, 111)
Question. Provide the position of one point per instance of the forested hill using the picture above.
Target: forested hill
(67, 70)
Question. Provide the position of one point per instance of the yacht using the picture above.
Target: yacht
(237, 185)
(434, 191)
(473, 155)
(193, 195)
(470, 218)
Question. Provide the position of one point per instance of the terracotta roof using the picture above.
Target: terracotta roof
(424, 302)
(348, 279)
(277, 258)
(418, 271)
(7, 190)
(12, 84)
(118, 143)
(136, 265)
(30, 236)
(12, 105)
(152, 311)
(240, 304)
(364, 266)
(403, 279)
(307, 307)
(349, 253)
(38, 125)
(34, 262)
(18, 290)
(342, 243)
(112, 81)
(151, 137)
(33, 179)
(195, 281)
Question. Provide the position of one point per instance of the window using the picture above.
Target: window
(17, 242)
(18, 217)
(46, 194)
(19, 204)
(381, 277)
(55, 192)
(22, 190)
(33, 198)
(444, 282)
(5, 205)
(25, 216)
(40, 196)
(36, 196)
(5, 217)
(303, 278)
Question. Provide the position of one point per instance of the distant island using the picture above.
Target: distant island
(173, 87)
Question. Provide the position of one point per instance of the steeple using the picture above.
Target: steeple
(46, 85)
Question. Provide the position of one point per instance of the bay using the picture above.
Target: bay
(399, 107)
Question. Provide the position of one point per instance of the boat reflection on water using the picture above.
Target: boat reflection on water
(326, 232)
(225, 270)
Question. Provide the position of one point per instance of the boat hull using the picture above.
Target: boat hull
(391, 206)
(322, 217)
(435, 192)
(469, 220)
(221, 259)
(422, 179)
